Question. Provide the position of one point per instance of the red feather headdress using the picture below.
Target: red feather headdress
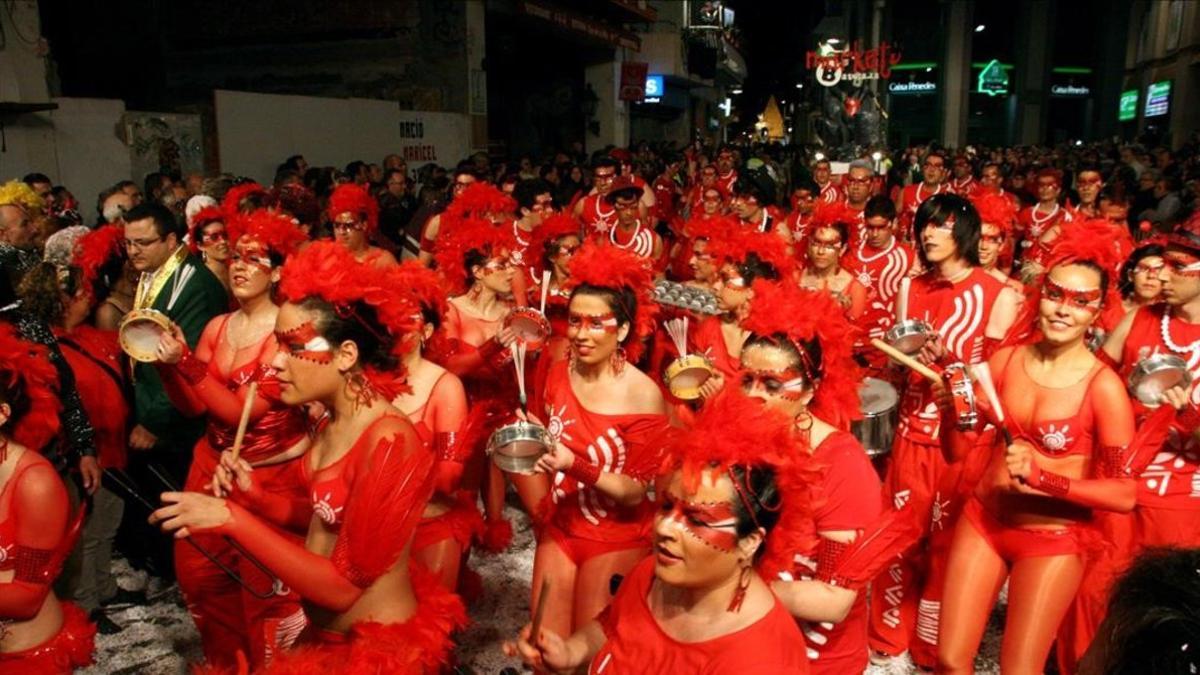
(469, 234)
(97, 249)
(802, 315)
(552, 229)
(328, 270)
(352, 198)
(995, 209)
(273, 229)
(298, 201)
(479, 199)
(735, 243)
(243, 198)
(827, 215)
(421, 283)
(29, 364)
(712, 229)
(611, 267)
(203, 217)
(735, 430)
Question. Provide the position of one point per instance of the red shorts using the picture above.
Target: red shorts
(580, 550)
(1016, 543)
(70, 648)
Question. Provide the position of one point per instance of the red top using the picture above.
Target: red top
(849, 497)
(1172, 480)
(637, 644)
(830, 193)
(880, 271)
(329, 487)
(35, 529)
(708, 339)
(959, 312)
(1064, 420)
(95, 358)
(619, 444)
(439, 422)
(598, 215)
(1032, 224)
(726, 180)
(798, 224)
(910, 200)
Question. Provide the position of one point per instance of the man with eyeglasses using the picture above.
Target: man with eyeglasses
(963, 180)
(465, 175)
(858, 188)
(828, 191)
(594, 210)
(933, 174)
(879, 262)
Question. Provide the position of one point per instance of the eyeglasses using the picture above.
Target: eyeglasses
(858, 181)
(140, 244)
(213, 237)
(347, 227)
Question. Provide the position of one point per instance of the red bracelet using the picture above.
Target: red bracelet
(829, 553)
(192, 369)
(1189, 419)
(584, 472)
(494, 354)
(1049, 482)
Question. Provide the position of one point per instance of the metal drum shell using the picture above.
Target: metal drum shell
(131, 344)
(516, 447)
(1154, 375)
(908, 336)
(682, 365)
(880, 406)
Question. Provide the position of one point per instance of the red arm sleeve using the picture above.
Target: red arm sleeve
(449, 403)
(39, 503)
(226, 406)
(644, 443)
(177, 388)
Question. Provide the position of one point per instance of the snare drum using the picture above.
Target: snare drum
(686, 374)
(1155, 374)
(529, 325)
(908, 336)
(962, 391)
(139, 333)
(880, 407)
(516, 447)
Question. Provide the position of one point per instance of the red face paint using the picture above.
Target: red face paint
(252, 254)
(303, 342)
(787, 384)
(715, 524)
(1182, 264)
(1075, 298)
(595, 323)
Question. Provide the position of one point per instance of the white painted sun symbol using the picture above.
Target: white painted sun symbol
(324, 509)
(557, 426)
(1054, 439)
(5, 552)
(938, 512)
(864, 278)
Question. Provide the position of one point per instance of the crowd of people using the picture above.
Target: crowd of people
(766, 411)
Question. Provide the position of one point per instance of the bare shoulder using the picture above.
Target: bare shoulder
(643, 395)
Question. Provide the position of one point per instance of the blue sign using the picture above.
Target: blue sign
(654, 88)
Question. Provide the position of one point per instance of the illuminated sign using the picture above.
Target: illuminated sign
(993, 80)
(853, 64)
(912, 88)
(1070, 90)
(655, 89)
(1158, 98)
(1127, 108)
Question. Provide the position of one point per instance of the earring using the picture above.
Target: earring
(360, 389)
(739, 594)
(475, 292)
(617, 361)
(804, 424)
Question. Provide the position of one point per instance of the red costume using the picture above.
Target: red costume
(830, 193)
(880, 271)
(95, 359)
(1032, 223)
(636, 643)
(725, 181)
(598, 216)
(911, 199)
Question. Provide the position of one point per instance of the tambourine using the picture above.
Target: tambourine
(529, 325)
(908, 336)
(683, 296)
(962, 392)
(139, 333)
(1155, 374)
(686, 374)
(516, 447)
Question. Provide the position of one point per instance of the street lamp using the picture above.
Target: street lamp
(819, 156)
(979, 28)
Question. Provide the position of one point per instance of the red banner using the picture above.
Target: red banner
(633, 80)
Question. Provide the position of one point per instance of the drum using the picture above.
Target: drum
(962, 391)
(686, 374)
(908, 336)
(880, 407)
(529, 325)
(683, 296)
(1155, 374)
(139, 332)
(516, 447)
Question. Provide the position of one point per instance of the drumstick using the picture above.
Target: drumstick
(545, 289)
(251, 392)
(906, 360)
(518, 354)
(902, 301)
(983, 375)
(539, 612)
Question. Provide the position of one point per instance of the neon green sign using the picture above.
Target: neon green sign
(993, 80)
(1128, 106)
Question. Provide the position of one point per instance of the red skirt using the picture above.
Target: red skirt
(70, 648)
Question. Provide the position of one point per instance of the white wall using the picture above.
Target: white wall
(256, 132)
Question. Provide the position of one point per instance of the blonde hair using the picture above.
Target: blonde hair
(18, 194)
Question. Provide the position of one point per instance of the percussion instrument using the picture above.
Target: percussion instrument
(686, 374)
(139, 332)
(1155, 374)
(908, 336)
(516, 447)
(962, 392)
(691, 298)
(880, 407)
(529, 325)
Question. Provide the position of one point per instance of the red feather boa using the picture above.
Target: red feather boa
(733, 244)
(273, 229)
(551, 230)
(352, 198)
(456, 238)
(479, 200)
(995, 209)
(96, 249)
(203, 217)
(611, 267)
(28, 364)
(235, 200)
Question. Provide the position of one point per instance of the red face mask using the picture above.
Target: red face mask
(1182, 264)
(714, 524)
(1075, 298)
(597, 323)
(787, 384)
(303, 342)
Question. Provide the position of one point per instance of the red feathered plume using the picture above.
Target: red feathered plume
(328, 270)
(203, 217)
(273, 229)
(735, 430)
(827, 215)
(352, 198)
(802, 315)
(465, 235)
(734, 244)
(552, 229)
(611, 267)
(298, 201)
(479, 199)
(995, 209)
(712, 229)
(876, 548)
(95, 250)
(421, 283)
(29, 365)
(243, 198)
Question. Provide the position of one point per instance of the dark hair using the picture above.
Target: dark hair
(880, 206)
(165, 222)
(1125, 280)
(812, 348)
(40, 293)
(755, 185)
(31, 178)
(13, 393)
(466, 168)
(293, 162)
(759, 491)
(354, 168)
(552, 247)
(1152, 615)
(935, 153)
(152, 184)
(807, 184)
(622, 301)
(121, 185)
(753, 268)
(939, 209)
(358, 324)
(526, 192)
(604, 161)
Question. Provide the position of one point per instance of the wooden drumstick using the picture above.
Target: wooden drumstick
(906, 360)
(244, 422)
(539, 612)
